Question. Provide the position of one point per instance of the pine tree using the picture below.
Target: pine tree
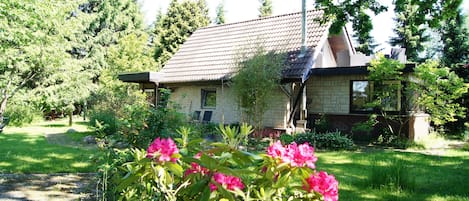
(180, 21)
(410, 28)
(455, 38)
(266, 8)
(416, 19)
(220, 19)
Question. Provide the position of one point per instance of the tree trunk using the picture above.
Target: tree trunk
(70, 118)
(3, 106)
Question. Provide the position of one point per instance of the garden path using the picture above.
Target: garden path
(47, 187)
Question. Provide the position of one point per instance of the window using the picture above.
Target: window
(363, 93)
(361, 96)
(209, 98)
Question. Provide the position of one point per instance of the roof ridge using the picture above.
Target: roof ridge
(257, 19)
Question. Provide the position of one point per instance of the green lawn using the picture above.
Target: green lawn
(436, 177)
(26, 150)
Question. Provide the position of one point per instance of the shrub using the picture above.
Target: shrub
(321, 124)
(21, 114)
(329, 141)
(286, 138)
(222, 172)
(105, 117)
(391, 174)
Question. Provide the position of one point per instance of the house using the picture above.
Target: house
(323, 73)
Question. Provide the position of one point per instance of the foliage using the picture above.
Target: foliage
(34, 46)
(286, 138)
(329, 141)
(234, 136)
(220, 19)
(257, 78)
(438, 89)
(20, 115)
(218, 173)
(413, 20)
(393, 174)
(265, 9)
(387, 77)
(362, 130)
(173, 28)
(321, 124)
(455, 42)
(356, 12)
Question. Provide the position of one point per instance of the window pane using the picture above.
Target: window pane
(209, 98)
(391, 96)
(361, 96)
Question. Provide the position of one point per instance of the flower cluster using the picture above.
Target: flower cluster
(296, 155)
(229, 182)
(324, 184)
(162, 150)
(196, 168)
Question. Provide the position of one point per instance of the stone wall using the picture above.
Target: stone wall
(330, 94)
(188, 98)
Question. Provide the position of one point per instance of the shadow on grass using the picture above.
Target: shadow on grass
(443, 176)
(56, 125)
(22, 153)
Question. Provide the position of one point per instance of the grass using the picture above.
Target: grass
(436, 177)
(26, 149)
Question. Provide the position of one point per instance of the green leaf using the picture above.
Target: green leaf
(175, 168)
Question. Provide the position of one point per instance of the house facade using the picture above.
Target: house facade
(322, 75)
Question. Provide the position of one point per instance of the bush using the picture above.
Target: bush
(105, 117)
(391, 174)
(286, 138)
(219, 172)
(21, 114)
(329, 141)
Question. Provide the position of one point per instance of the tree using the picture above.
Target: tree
(258, 76)
(180, 21)
(356, 12)
(455, 38)
(33, 48)
(266, 8)
(438, 90)
(387, 79)
(414, 20)
(220, 19)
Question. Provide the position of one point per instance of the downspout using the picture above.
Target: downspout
(222, 105)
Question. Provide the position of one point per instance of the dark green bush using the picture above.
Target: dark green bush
(286, 138)
(105, 117)
(329, 141)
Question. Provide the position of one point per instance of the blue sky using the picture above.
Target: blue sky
(241, 10)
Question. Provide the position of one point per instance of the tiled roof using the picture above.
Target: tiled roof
(210, 53)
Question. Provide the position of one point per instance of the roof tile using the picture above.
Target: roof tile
(210, 53)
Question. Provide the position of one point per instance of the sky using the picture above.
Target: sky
(241, 10)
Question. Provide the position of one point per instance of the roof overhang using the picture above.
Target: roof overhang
(141, 77)
(352, 70)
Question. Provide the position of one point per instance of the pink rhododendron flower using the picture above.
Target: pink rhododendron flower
(276, 150)
(196, 168)
(301, 155)
(297, 156)
(324, 184)
(229, 182)
(165, 148)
